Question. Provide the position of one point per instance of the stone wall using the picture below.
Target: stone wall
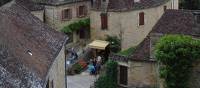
(143, 74)
(126, 24)
(39, 14)
(57, 72)
(53, 14)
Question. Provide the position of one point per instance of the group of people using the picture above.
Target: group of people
(95, 65)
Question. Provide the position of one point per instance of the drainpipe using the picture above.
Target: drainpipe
(65, 65)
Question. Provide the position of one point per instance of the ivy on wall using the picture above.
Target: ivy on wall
(85, 23)
(176, 54)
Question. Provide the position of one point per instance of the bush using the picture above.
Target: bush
(176, 55)
(115, 43)
(85, 23)
(108, 80)
(127, 52)
(77, 68)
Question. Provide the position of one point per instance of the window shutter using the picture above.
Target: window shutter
(85, 10)
(77, 11)
(62, 14)
(70, 14)
(104, 21)
(141, 18)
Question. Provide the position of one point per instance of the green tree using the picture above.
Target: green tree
(3, 2)
(190, 4)
(115, 43)
(176, 54)
(109, 79)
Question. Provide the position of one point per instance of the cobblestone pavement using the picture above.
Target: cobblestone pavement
(83, 80)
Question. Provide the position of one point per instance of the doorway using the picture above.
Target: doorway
(123, 79)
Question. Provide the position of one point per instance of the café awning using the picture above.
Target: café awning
(99, 44)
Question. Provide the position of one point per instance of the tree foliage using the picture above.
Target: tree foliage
(190, 4)
(3, 2)
(85, 23)
(176, 54)
(109, 80)
(115, 43)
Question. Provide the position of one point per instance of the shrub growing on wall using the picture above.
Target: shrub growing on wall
(115, 43)
(176, 54)
(109, 79)
(85, 23)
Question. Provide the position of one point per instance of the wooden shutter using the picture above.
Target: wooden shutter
(104, 21)
(62, 14)
(85, 11)
(141, 18)
(77, 11)
(70, 13)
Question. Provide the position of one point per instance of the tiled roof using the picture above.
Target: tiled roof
(28, 48)
(57, 2)
(29, 4)
(142, 52)
(177, 22)
(172, 22)
(126, 5)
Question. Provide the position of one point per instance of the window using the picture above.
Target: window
(52, 85)
(104, 21)
(47, 86)
(66, 14)
(123, 79)
(198, 19)
(82, 11)
(165, 8)
(141, 18)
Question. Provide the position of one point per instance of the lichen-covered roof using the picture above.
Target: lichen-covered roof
(127, 5)
(177, 22)
(30, 5)
(28, 48)
(57, 2)
(172, 22)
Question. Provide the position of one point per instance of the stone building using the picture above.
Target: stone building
(31, 53)
(59, 13)
(130, 20)
(36, 9)
(141, 69)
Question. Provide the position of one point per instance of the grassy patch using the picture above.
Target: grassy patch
(127, 52)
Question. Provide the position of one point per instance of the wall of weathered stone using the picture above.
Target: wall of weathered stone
(143, 74)
(53, 14)
(57, 71)
(195, 76)
(126, 23)
(39, 14)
